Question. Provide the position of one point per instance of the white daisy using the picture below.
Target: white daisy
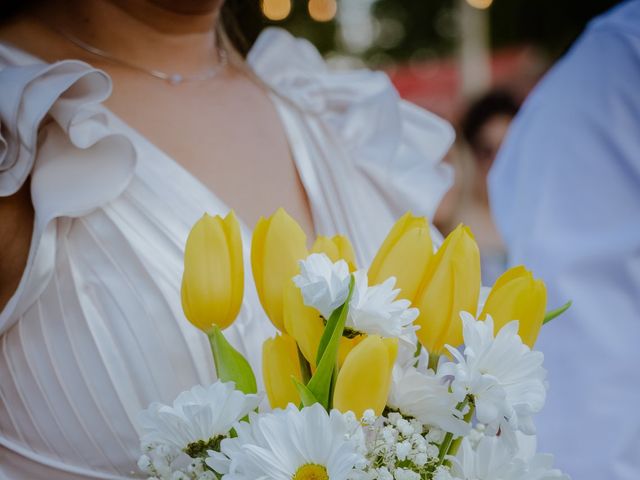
(198, 418)
(540, 467)
(504, 376)
(323, 283)
(292, 444)
(494, 459)
(426, 397)
(375, 310)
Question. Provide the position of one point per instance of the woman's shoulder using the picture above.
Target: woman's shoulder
(398, 146)
(53, 133)
(294, 68)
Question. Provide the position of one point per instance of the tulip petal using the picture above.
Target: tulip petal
(336, 248)
(451, 284)
(213, 279)
(279, 365)
(326, 245)
(365, 378)
(517, 296)
(405, 255)
(277, 246)
(234, 240)
(302, 323)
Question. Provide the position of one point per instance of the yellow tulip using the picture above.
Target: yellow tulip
(302, 323)
(451, 285)
(337, 248)
(213, 280)
(279, 363)
(516, 295)
(346, 346)
(365, 378)
(277, 246)
(404, 254)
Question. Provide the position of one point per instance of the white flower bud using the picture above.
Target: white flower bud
(324, 284)
(369, 417)
(404, 427)
(421, 459)
(402, 450)
(384, 474)
(404, 474)
(144, 464)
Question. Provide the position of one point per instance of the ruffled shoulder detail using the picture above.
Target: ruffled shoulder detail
(53, 129)
(396, 145)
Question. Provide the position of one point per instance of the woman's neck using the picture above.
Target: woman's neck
(142, 32)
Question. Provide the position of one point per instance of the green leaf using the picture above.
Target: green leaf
(321, 382)
(306, 396)
(327, 332)
(557, 312)
(231, 366)
(305, 367)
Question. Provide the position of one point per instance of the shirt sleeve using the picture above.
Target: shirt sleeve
(565, 192)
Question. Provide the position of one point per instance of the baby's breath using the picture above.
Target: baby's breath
(399, 448)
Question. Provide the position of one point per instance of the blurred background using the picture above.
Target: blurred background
(472, 62)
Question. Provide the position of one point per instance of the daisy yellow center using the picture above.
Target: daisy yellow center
(311, 471)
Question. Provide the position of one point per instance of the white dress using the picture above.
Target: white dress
(95, 331)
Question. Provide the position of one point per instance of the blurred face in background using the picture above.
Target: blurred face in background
(488, 140)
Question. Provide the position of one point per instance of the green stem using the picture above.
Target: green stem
(214, 351)
(434, 358)
(448, 438)
(230, 365)
(444, 447)
(453, 449)
(305, 367)
(417, 354)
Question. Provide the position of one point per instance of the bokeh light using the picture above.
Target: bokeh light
(323, 10)
(276, 9)
(480, 4)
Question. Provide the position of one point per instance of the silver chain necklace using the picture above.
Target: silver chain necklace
(171, 78)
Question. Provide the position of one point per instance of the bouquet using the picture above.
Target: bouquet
(407, 370)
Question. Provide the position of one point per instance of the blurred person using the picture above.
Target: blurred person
(122, 123)
(483, 127)
(565, 191)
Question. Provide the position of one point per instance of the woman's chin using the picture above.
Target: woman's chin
(189, 7)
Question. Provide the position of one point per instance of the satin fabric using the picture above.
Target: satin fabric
(565, 191)
(95, 331)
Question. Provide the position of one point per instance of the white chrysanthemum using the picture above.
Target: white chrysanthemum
(540, 467)
(425, 397)
(162, 462)
(200, 414)
(292, 444)
(494, 458)
(323, 283)
(372, 310)
(504, 376)
(375, 310)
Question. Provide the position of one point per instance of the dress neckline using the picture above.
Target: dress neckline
(282, 107)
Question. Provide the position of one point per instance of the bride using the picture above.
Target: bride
(122, 122)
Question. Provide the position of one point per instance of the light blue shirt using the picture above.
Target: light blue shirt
(565, 191)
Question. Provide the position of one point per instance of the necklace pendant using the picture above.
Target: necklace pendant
(175, 79)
